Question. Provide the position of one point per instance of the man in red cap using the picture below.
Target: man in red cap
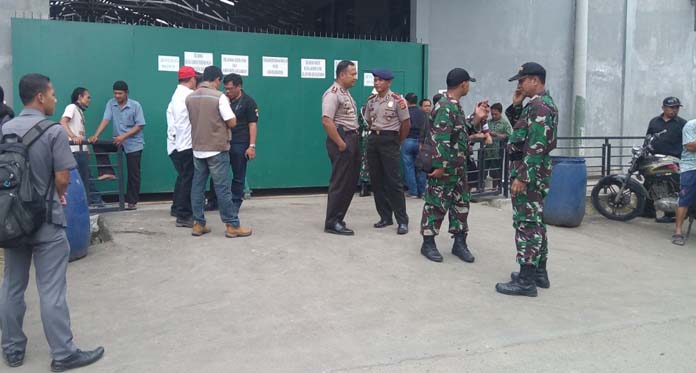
(179, 146)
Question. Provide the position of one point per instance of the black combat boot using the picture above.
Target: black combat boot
(523, 286)
(364, 190)
(460, 249)
(541, 277)
(429, 249)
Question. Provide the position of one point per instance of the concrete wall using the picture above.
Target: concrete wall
(9, 9)
(660, 60)
(639, 51)
(492, 38)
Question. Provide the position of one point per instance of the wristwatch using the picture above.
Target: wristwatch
(252, 146)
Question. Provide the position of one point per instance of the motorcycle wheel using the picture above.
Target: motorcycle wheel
(629, 206)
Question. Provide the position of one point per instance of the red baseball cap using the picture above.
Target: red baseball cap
(186, 72)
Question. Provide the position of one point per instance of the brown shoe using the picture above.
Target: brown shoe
(232, 232)
(199, 229)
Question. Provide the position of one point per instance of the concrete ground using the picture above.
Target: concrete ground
(291, 298)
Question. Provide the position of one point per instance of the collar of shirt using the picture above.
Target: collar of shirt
(31, 112)
(127, 105)
(340, 88)
(385, 97)
(182, 90)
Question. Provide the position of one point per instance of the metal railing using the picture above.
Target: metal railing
(604, 155)
(117, 203)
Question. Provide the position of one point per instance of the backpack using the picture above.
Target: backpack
(22, 209)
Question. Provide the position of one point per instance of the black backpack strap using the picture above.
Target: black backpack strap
(36, 131)
(30, 138)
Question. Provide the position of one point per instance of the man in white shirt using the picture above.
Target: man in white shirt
(211, 119)
(179, 146)
(73, 121)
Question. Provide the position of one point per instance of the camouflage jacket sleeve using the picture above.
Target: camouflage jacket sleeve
(441, 135)
(513, 113)
(541, 121)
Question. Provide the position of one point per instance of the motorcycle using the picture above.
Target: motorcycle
(622, 197)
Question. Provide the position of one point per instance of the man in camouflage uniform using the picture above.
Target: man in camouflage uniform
(447, 189)
(500, 131)
(533, 138)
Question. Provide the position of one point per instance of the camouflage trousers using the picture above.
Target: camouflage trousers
(528, 220)
(449, 194)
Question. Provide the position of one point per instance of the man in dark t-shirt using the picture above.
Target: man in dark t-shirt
(243, 143)
(668, 143)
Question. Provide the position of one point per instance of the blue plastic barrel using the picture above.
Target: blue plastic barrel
(77, 216)
(565, 203)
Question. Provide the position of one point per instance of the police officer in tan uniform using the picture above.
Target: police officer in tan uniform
(340, 120)
(387, 114)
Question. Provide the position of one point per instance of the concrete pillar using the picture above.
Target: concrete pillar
(8, 10)
(580, 68)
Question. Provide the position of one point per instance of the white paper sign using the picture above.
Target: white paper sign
(336, 62)
(234, 64)
(368, 80)
(198, 60)
(168, 63)
(275, 66)
(313, 69)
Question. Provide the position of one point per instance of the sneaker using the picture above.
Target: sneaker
(232, 231)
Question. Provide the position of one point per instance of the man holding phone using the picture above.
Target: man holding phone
(243, 143)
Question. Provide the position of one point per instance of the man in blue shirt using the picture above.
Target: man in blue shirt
(128, 118)
(687, 168)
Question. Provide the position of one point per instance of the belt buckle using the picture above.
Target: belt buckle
(377, 132)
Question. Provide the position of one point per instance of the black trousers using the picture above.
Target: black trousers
(133, 185)
(345, 169)
(384, 163)
(183, 164)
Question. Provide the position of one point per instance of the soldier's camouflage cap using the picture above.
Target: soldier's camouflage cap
(527, 69)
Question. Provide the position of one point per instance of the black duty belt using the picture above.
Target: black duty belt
(384, 133)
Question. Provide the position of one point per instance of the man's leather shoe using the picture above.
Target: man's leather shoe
(77, 360)
(232, 231)
(14, 359)
(383, 223)
(199, 229)
(665, 219)
(184, 223)
(429, 249)
(339, 229)
(402, 229)
(460, 248)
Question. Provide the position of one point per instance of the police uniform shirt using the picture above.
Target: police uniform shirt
(246, 111)
(338, 104)
(51, 152)
(386, 113)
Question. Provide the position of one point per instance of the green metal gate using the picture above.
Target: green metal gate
(290, 144)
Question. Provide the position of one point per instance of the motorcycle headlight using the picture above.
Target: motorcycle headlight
(635, 150)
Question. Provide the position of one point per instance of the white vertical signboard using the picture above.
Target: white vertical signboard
(275, 66)
(230, 63)
(198, 60)
(313, 68)
(168, 63)
(368, 80)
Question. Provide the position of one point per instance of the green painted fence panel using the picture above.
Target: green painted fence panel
(290, 144)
